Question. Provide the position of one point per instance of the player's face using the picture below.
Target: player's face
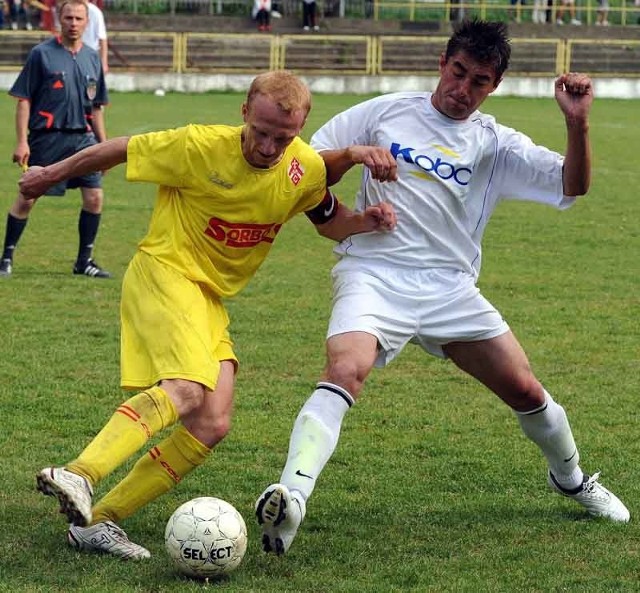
(268, 131)
(73, 21)
(464, 84)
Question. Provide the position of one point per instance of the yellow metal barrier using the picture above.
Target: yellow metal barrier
(326, 54)
(601, 57)
(389, 55)
(218, 52)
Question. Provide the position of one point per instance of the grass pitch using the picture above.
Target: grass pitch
(433, 486)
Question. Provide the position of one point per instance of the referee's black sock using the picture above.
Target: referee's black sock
(15, 226)
(88, 224)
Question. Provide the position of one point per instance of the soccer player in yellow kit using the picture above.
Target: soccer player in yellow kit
(224, 192)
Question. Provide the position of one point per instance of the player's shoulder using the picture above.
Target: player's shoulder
(207, 133)
(304, 149)
(391, 103)
(48, 45)
(401, 97)
(485, 121)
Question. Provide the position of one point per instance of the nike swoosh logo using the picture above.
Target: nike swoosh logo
(328, 211)
(575, 452)
(299, 473)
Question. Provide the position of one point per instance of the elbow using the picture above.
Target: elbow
(577, 189)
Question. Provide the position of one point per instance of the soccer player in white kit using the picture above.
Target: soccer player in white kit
(444, 166)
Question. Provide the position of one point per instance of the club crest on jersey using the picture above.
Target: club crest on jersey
(92, 89)
(295, 171)
(241, 234)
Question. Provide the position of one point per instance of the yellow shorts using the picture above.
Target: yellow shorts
(171, 328)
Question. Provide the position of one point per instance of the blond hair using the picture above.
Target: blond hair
(284, 88)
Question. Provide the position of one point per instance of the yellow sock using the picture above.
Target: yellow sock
(154, 474)
(130, 427)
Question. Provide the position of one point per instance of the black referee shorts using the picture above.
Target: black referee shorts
(50, 147)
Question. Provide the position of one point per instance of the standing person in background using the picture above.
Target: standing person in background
(602, 18)
(570, 7)
(262, 14)
(19, 10)
(444, 166)
(309, 10)
(538, 14)
(61, 92)
(95, 35)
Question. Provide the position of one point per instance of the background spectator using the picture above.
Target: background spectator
(262, 14)
(515, 10)
(19, 13)
(603, 13)
(309, 10)
(567, 6)
(539, 11)
(95, 35)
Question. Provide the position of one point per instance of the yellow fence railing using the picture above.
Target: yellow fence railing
(369, 55)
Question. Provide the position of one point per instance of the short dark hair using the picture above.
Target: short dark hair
(486, 42)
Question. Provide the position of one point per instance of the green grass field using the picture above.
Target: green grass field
(433, 486)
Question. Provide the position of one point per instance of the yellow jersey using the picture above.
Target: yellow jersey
(215, 216)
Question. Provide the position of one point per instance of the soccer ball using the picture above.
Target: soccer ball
(206, 537)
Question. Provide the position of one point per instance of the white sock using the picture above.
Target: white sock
(314, 437)
(548, 427)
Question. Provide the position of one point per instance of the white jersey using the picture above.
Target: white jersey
(96, 29)
(451, 175)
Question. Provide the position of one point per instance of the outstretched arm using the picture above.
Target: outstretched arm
(346, 222)
(99, 157)
(574, 94)
(378, 160)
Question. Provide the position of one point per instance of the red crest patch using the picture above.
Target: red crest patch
(295, 171)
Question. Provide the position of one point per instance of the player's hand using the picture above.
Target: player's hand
(33, 183)
(574, 94)
(381, 217)
(378, 160)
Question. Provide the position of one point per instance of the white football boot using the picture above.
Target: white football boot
(108, 538)
(594, 497)
(279, 513)
(73, 492)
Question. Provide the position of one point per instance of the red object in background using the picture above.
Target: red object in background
(47, 17)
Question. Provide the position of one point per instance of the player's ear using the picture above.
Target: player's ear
(443, 61)
(244, 111)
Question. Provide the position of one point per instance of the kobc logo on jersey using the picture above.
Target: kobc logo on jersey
(433, 165)
(241, 234)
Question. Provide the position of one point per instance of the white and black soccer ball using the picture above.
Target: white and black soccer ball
(206, 537)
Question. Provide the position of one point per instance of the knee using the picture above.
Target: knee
(187, 396)
(220, 426)
(92, 200)
(21, 207)
(528, 392)
(209, 428)
(345, 372)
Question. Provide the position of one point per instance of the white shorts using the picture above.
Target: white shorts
(430, 307)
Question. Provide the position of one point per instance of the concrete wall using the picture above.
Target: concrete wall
(617, 88)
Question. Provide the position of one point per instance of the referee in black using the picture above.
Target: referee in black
(61, 92)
